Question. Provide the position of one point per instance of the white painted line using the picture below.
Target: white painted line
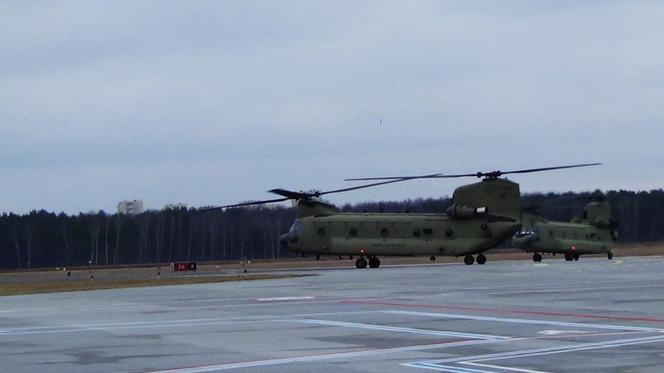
(75, 329)
(165, 323)
(283, 298)
(500, 367)
(567, 348)
(559, 332)
(388, 328)
(445, 368)
(313, 358)
(526, 321)
(549, 350)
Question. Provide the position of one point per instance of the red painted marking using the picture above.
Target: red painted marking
(506, 311)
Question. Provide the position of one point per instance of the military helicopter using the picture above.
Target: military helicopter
(594, 233)
(482, 215)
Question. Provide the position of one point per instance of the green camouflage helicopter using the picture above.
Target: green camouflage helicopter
(482, 215)
(594, 233)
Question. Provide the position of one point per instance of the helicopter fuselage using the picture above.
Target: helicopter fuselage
(390, 234)
(570, 239)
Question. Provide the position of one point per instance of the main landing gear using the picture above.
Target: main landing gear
(469, 259)
(537, 257)
(609, 255)
(569, 257)
(373, 262)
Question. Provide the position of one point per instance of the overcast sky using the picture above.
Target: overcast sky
(215, 102)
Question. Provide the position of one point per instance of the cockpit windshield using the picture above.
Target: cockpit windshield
(296, 227)
(527, 231)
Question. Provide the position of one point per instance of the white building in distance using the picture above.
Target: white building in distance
(130, 207)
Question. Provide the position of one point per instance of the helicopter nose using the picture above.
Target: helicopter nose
(283, 240)
(286, 239)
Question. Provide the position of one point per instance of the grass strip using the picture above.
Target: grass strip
(85, 285)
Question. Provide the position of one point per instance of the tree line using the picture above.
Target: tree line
(46, 239)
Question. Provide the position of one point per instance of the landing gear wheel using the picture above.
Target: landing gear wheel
(537, 257)
(610, 255)
(481, 259)
(361, 263)
(576, 256)
(469, 260)
(374, 262)
(432, 258)
(568, 257)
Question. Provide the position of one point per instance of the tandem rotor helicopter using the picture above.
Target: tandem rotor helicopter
(482, 215)
(594, 233)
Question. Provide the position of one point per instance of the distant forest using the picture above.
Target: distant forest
(44, 239)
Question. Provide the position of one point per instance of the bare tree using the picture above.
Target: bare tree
(17, 246)
(118, 230)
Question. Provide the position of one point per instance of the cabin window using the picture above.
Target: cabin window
(417, 232)
(352, 232)
(321, 231)
(384, 232)
(427, 231)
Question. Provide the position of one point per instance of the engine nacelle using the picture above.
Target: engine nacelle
(458, 212)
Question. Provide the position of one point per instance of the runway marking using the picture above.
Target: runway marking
(320, 357)
(472, 360)
(388, 328)
(527, 321)
(559, 332)
(165, 323)
(283, 298)
(531, 291)
(446, 368)
(511, 369)
(128, 326)
(500, 310)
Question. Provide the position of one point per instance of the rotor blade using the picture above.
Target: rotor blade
(288, 193)
(395, 180)
(250, 203)
(392, 177)
(547, 168)
(497, 173)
